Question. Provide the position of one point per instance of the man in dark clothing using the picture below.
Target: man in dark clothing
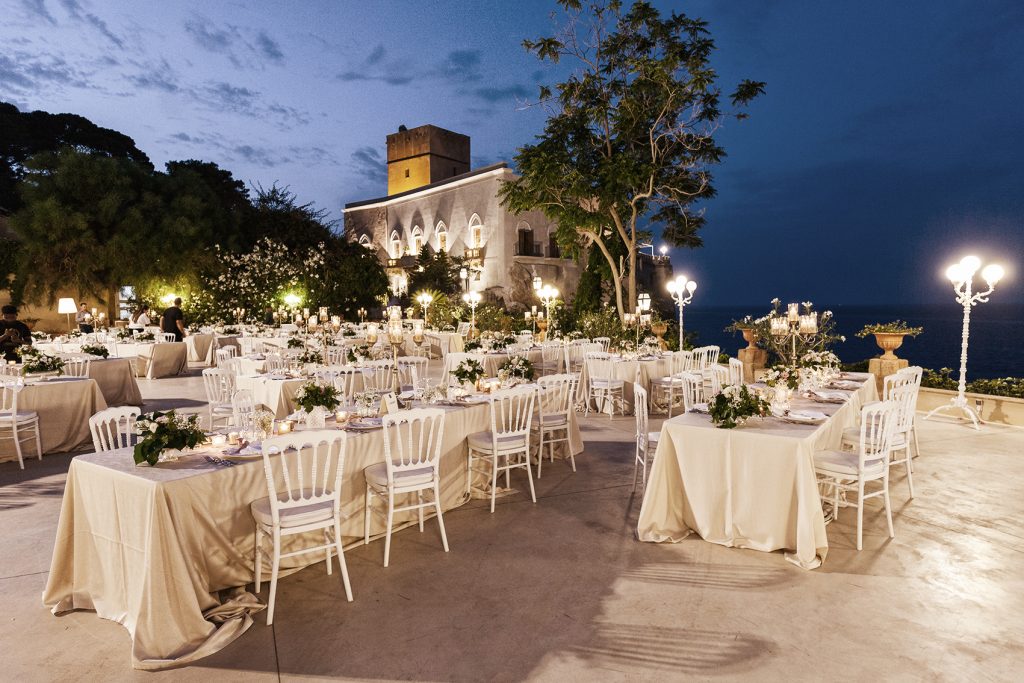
(173, 321)
(13, 333)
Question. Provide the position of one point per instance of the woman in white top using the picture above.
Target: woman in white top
(141, 318)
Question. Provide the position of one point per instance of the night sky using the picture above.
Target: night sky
(890, 140)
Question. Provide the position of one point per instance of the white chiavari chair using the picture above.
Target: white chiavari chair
(848, 472)
(377, 375)
(225, 354)
(411, 369)
(17, 425)
(165, 337)
(412, 456)
(552, 355)
(645, 439)
(506, 446)
(735, 372)
(557, 403)
(605, 342)
(310, 501)
(602, 386)
(113, 428)
(275, 363)
(220, 387)
(76, 366)
(718, 377)
(243, 410)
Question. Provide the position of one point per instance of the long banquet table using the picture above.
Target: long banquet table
(749, 487)
(166, 551)
(64, 406)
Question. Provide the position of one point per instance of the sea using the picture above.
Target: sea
(996, 346)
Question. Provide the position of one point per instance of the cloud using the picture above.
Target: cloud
(502, 93)
(37, 8)
(159, 77)
(369, 164)
(244, 48)
(269, 47)
(24, 71)
(78, 13)
(223, 149)
(376, 55)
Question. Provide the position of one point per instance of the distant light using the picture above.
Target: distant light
(663, 250)
(993, 273)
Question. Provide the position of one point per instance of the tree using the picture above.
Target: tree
(437, 272)
(279, 216)
(25, 134)
(212, 198)
(629, 136)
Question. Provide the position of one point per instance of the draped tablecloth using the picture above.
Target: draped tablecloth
(629, 371)
(202, 348)
(277, 394)
(159, 549)
(116, 381)
(159, 360)
(749, 487)
(64, 406)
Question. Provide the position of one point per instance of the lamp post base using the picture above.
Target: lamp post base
(958, 403)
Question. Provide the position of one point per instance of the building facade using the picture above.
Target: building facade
(430, 204)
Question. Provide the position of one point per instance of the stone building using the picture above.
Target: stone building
(434, 199)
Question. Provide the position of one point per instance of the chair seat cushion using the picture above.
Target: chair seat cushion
(852, 436)
(295, 516)
(845, 463)
(22, 416)
(377, 476)
(222, 408)
(556, 420)
(607, 383)
(484, 441)
(666, 381)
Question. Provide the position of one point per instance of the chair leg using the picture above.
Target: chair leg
(568, 449)
(39, 444)
(909, 462)
(888, 504)
(273, 576)
(636, 465)
(327, 551)
(17, 445)
(440, 518)
(540, 452)
(419, 501)
(259, 557)
(341, 559)
(494, 479)
(387, 536)
(366, 516)
(835, 500)
(508, 469)
(860, 514)
(529, 478)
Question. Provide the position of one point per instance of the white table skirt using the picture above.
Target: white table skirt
(749, 487)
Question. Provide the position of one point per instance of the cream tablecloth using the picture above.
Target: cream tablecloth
(64, 406)
(749, 487)
(159, 360)
(158, 550)
(202, 347)
(116, 381)
(629, 371)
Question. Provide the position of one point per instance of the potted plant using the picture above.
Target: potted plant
(317, 400)
(889, 336)
(747, 326)
(164, 436)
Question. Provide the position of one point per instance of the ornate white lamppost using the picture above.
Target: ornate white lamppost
(681, 290)
(547, 295)
(424, 299)
(473, 299)
(464, 277)
(962, 276)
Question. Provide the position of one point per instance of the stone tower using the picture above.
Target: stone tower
(425, 155)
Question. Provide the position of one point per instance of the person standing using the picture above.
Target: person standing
(84, 318)
(173, 321)
(13, 334)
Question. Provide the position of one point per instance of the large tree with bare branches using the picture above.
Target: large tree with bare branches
(630, 134)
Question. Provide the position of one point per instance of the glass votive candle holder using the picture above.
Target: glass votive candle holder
(233, 438)
(218, 439)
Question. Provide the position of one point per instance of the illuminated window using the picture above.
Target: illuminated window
(364, 241)
(442, 236)
(396, 245)
(476, 232)
(417, 241)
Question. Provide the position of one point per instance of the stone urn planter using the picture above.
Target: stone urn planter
(659, 329)
(750, 336)
(889, 342)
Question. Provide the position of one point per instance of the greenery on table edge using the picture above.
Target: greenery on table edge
(469, 370)
(311, 356)
(734, 404)
(313, 394)
(894, 327)
(96, 350)
(34, 361)
(162, 431)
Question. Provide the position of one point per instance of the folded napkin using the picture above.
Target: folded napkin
(829, 395)
(807, 415)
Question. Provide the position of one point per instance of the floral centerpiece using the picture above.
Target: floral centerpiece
(40, 336)
(296, 343)
(35, 362)
(74, 334)
(516, 367)
(781, 376)
(317, 399)
(160, 432)
(124, 334)
(472, 345)
(818, 368)
(358, 354)
(310, 356)
(146, 337)
(96, 350)
(734, 404)
(468, 371)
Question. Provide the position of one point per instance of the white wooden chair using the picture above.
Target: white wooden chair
(225, 354)
(76, 366)
(165, 337)
(556, 401)
(336, 355)
(506, 446)
(243, 410)
(412, 457)
(17, 425)
(645, 438)
(735, 372)
(845, 471)
(705, 356)
(310, 501)
(342, 377)
(411, 369)
(602, 386)
(220, 387)
(717, 376)
(605, 342)
(113, 428)
(668, 388)
(377, 375)
(275, 362)
(552, 356)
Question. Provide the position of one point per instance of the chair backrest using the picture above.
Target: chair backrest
(336, 355)
(682, 361)
(558, 394)
(412, 440)
(692, 389)
(411, 369)
(718, 375)
(342, 377)
(113, 428)
(219, 384)
(76, 366)
(232, 365)
(307, 474)
(599, 365)
(376, 375)
(877, 426)
(705, 356)
(640, 409)
(165, 337)
(243, 409)
(735, 371)
(11, 387)
(275, 362)
(225, 354)
(605, 342)
(903, 393)
(525, 336)
(511, 413)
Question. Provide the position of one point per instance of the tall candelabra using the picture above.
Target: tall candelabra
(793, 328)
(681, 291)
(473, 299)
(424, 299)
(962, 276)
(396, 337)
(548, 295)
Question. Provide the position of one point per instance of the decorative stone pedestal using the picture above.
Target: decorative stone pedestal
(883, 367)
(754, 359)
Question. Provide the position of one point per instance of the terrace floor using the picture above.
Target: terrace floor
(562, 590)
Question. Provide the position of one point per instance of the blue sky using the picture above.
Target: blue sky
(888, 143)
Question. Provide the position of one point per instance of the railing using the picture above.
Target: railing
(529, 249)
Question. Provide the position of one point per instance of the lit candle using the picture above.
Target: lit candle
(94, 311)
(218, 439)
(527, 315)
(305, 311)
(284, 427)
(534, 309)
(794, 312)
(313, 320)
(341, 417)
(336, 320)
(233, 438)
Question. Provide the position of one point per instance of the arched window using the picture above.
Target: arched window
(364, 241)
(476, 232)
(416, 243)
(524, 240)
(396, 245)
(441, 231)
